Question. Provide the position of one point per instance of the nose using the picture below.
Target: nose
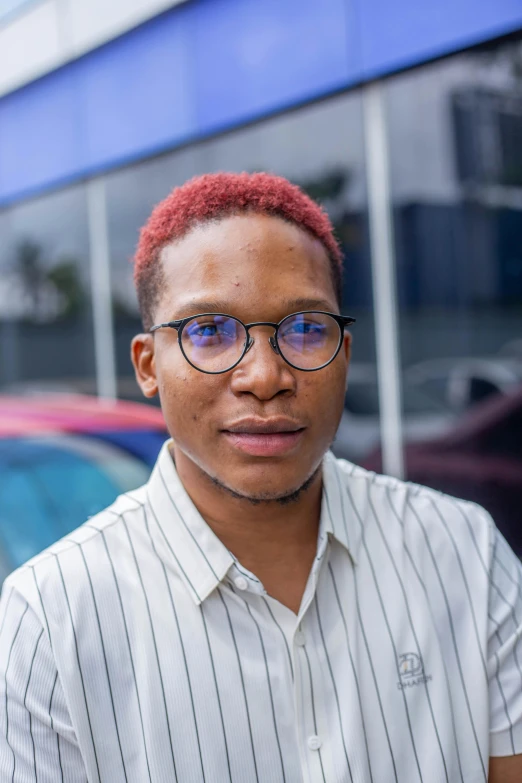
(263, 372)
(271, 341)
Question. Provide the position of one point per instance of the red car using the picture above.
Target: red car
(480, 459)
(63, 458)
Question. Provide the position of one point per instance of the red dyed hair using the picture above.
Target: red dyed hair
(214, 196)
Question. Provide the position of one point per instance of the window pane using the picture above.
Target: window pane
(455, 142)
(319, 147)
(46, 338)
(131, 196)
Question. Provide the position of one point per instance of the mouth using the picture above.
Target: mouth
(264, 437)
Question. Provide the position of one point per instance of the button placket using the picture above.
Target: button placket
(309, 723)
(312, 728)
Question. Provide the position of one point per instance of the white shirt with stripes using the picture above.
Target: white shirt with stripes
(137, 649)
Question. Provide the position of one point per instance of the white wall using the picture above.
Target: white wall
(46, 33)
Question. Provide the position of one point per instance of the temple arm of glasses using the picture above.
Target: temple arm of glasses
(170, 324)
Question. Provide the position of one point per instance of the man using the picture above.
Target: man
(260, 611)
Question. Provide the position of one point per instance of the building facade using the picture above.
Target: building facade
(403, 119)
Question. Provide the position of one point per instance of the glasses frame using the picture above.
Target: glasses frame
(342, 321)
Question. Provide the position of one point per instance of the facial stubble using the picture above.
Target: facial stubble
(265, 497)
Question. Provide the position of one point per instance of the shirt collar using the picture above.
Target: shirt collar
(182, 537)
(341, 515)
(181, 534)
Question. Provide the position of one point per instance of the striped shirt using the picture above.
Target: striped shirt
(138, 649)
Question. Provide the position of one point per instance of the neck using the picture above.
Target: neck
(276, 542)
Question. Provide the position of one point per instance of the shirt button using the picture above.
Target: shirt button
(314, 742)
(241, 583)
(300, 638)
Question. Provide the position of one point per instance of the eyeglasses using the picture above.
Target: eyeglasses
(215, 342)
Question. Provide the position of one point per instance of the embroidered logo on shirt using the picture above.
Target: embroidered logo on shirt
(411, 671)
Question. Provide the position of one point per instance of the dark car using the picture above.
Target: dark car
(480, 459)
(63, 458)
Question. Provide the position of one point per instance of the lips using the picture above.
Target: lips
(265, 437)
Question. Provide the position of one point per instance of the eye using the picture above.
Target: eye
(204, 330)
(305, 327)
(211, 332)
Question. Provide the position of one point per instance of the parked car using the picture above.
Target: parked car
(62, 459)
(479, 460)
(360, 431)
(460, 383)
(513, 349)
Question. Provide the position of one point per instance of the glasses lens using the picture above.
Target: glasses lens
(309, 340)
(213, 343)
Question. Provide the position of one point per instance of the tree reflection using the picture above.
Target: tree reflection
(48, 291)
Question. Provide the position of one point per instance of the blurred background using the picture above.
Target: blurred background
(403, 119)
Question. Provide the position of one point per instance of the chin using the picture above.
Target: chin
(267, 482)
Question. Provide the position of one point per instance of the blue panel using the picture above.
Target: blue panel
(135, 93)
(126, 99)
(205, 65)
(41, 132)
(403, 32)
(212, 64)
(255, 57)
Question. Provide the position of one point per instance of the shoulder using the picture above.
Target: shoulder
(418, 515)
(58, 577)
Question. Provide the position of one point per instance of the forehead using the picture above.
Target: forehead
(246, 262)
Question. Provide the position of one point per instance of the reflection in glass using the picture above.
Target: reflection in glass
(46, 336)
(456, 142)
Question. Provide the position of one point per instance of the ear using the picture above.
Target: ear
(142, 355)
(347, 346)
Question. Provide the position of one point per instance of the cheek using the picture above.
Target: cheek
(323, 396)
(327, 385)
(186, 397)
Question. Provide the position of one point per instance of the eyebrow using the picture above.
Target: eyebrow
(197, 307)
(216, 306)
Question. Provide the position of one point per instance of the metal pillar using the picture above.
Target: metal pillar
(383, 276)
(101, 290)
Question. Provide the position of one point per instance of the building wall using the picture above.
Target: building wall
(37, 36)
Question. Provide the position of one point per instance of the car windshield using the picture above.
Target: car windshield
(51, 485)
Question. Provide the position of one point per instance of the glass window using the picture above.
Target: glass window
(46, 338)
(131, 195)
(455, 147)
(319, 147)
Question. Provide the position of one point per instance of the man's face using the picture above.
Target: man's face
(257, 268)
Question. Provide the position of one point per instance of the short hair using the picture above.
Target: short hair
(212, 197)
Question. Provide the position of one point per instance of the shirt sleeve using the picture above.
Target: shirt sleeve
(37, 740)
(505, 649)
